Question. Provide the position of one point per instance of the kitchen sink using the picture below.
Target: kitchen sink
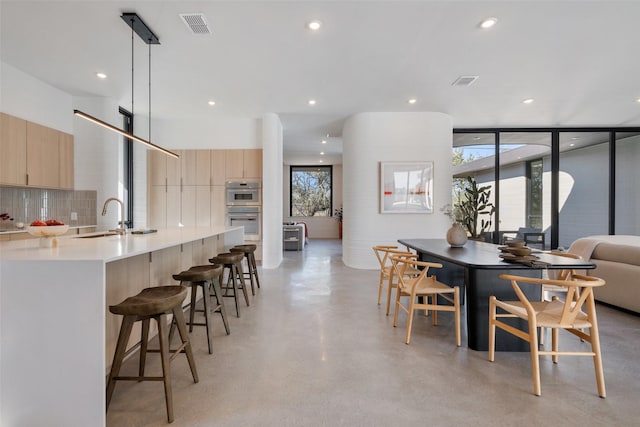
(94, 235)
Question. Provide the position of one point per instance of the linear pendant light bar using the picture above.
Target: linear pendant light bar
(123, 133)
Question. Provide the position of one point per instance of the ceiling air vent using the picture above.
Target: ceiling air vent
(465, 80)
(196, 22)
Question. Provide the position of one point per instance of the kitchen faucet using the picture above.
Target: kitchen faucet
(120, 229)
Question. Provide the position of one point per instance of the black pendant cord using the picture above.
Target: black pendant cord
(132, 70)
(149, 89)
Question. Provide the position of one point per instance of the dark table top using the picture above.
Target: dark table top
(483, 255)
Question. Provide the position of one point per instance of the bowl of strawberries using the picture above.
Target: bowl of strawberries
(48, 228)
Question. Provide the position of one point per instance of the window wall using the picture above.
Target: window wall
(564, 183)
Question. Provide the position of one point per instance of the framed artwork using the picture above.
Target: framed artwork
(406, 187)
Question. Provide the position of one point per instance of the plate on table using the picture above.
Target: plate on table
(514, 258)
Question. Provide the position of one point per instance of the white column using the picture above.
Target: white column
(271, 191)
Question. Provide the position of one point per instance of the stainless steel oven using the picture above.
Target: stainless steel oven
(247, 217)
(243, 193)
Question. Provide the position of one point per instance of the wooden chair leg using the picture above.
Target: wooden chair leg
(144, 342)
(456, 296)
(555, 343)
(121, 347)
(395, 308)
(184, 337)
(215, 284)
(389, 289)
(380, 282)
(535, 357)
(492, 328)
(166, 370)
(192, 306)
(206, 300)
(410, 319)
(594, 336)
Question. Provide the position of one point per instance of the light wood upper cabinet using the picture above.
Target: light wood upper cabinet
(43, 156)
(188, 167)
(244, 163)
(218, 167)
(157, 167)
(234, 163)
(203, 167)
(34, 155)
(13, 150)
(65, 170)
(252, 163)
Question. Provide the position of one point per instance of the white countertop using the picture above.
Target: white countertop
(107, 248)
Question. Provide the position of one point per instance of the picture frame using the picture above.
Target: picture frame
(406, 187)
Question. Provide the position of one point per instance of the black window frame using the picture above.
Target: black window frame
(291, 171)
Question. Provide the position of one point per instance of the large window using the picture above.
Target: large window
(311, 190)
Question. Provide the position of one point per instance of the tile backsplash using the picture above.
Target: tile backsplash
(28, 204)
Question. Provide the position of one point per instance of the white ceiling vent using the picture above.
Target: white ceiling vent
(196, 22)
(465, 80)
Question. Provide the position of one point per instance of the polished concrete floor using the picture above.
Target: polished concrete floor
(314, 349)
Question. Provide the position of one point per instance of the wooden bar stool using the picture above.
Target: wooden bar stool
(152, 303)
(252, 273)
(233, 263)
(205, 277)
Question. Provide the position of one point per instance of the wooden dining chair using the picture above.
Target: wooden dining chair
(387, 274)
(555, 314)
(564, 274)
(425, 287)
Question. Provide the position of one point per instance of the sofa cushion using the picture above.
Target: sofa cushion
(618, 253)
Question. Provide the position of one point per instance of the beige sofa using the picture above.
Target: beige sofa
(618, 262)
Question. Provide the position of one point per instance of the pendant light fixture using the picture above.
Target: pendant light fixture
(145, 33)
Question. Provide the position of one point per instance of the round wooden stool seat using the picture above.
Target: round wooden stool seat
(244, 248)
(200, 273)
(227, 258)
(151, 301)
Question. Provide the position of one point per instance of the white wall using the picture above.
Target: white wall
(370, 138)
(214, 133)
(318, 227)
(24, 96)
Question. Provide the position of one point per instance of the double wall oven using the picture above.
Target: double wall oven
(244, 207)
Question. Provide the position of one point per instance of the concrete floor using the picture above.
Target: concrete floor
(314, 349)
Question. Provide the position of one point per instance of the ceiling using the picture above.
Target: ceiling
(578, 60)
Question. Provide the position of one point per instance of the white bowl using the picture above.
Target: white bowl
(47, 230)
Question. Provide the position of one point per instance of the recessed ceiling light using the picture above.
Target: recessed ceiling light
(312, 102)
(575, 138)
(488, 23)
(320, 161)
(476, 138)
(212, 103)
(412, 101)
(572, 145)
(638, 100)
(314, 25)
(101, 75)
(324, 141)
(322, 153)
(527, 101)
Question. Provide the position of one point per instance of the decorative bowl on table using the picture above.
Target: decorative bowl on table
(47, 230)
(523, 251)
(515, 243)
(47, 234)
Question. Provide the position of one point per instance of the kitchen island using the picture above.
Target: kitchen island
(57, 336)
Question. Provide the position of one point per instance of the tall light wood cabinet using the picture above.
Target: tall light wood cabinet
(13, 150)
(196, 196)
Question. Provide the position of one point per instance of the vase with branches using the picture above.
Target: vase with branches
(476, 208)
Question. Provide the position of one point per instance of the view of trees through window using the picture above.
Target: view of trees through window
(311, 190)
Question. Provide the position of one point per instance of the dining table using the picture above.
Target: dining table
(476, 268)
